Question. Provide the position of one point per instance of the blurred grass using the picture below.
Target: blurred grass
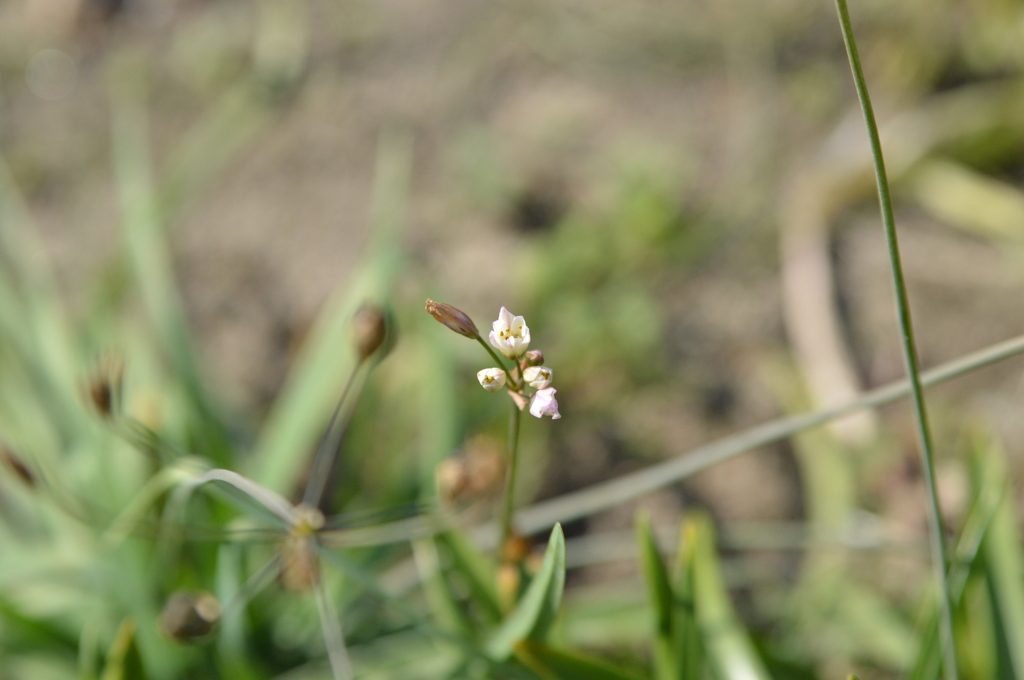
(648, 285)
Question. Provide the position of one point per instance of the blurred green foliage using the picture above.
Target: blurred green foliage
(98, 523)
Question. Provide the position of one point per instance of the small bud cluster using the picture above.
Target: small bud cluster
(511, 336)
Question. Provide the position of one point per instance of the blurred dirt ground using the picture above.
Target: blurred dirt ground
(665, 133)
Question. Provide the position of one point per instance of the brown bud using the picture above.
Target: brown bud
(370, 328)
(516, 549)
(454, 318)
(534, 358)
(104, 387)
(17, 466)
(473, 475)
(188, 616)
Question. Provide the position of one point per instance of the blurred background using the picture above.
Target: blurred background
(676, 195)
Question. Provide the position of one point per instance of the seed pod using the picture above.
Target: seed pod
(17, 466)
(188, 616)
(454, 318)
(370, 328)
(104, 387)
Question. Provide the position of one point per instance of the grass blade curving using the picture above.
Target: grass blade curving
(937, 537)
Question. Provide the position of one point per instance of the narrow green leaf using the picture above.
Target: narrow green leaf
(1004, 565)
(533, 616)
(986, 496)
(149, 252)
(557, 664)
(123, 661)
(666, 661)
(685, 628)
(446, 608)
(730, 649)
(477, 571)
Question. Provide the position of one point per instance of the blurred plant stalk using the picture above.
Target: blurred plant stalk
(909, 347)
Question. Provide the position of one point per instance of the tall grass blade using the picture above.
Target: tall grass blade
(149, 252)
(909, 348)
(659, 591)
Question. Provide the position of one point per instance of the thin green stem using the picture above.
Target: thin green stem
(327, 452)
(497, 359)
(508, 503)
(909, 348)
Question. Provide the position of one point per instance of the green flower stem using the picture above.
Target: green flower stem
(327, 452)
(508, 503)
(498, 360)
(909, 348)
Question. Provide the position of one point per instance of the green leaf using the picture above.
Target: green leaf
(532, 617)
(687, 641)
(445, 606)
(123, 660)
(730, 649)
(986, 497)
(477, 571)
(557, 664)
(666, 661)
(1004, 564)
(149, 252)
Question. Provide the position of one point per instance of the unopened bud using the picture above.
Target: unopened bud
(370, 330)
(454, 318)
(537, 377)
(491, 379)
(189, 616)
(104, 388)
(17, 466)
(534, 357)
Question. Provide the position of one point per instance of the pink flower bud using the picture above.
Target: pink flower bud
(454, 318)
(543, 404)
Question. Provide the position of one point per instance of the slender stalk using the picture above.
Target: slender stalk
(508, 503)
(497, 359)
(938, 546)
(328, 449)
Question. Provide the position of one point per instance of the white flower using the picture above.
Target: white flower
(510, 336)
(537, 377)
(491, 379)
(544, 404)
